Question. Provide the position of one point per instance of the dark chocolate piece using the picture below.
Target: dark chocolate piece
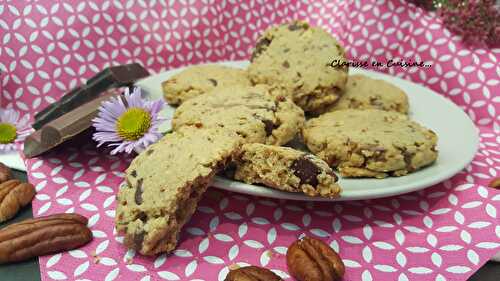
(259, 47)
(65, 127)
(74, 98)
(213, 81)
(269, 126)
(74, 122)
(138, 239)
(306, 171)
(115, 76)
(229, 170)
(142, 216)
(138, 192)
(296, 26)
(408, 156)
(33, 145)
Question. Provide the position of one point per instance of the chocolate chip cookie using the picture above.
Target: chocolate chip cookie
(298, 58)
(199, 79)
(363, 92)
(164, 184)
(370, 143)
(287, 169)
(259, 114)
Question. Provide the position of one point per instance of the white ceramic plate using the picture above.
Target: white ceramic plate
(458, 142)
(13, 159)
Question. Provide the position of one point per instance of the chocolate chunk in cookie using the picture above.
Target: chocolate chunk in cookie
(306, 170)
(259, 47)
(297, 25)
(138, 190)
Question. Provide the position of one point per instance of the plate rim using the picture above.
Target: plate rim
(227, 184)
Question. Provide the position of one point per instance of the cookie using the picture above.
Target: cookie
(286, 169)
(257, 113)
(199, 79)
(363, 92)
(298, 58)
(370, 143)
(164, 184)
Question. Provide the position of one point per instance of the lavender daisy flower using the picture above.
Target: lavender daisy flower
(13, 130)
(128, 122)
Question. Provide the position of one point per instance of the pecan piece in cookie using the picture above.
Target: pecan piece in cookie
(13, 196)
(42, 236)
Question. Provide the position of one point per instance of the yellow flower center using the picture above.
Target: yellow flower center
(8, 133)
(133, 124)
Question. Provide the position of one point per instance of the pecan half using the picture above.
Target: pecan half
(252, 273)
(42, 236)
(310, 259)
(5, 173)
(13, 196)
(495, 183)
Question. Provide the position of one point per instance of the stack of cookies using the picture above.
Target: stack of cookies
(239, 121)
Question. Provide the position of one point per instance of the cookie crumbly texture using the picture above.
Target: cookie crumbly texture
(199, 79)
(370, 143)
(298, 58)
(259, 114)
(286, 169)
(363, 92)
(164, 184)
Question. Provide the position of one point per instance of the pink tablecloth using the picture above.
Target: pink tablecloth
(445, 232)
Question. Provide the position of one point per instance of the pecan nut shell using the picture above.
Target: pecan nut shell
(310, 259)
(42, 236)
